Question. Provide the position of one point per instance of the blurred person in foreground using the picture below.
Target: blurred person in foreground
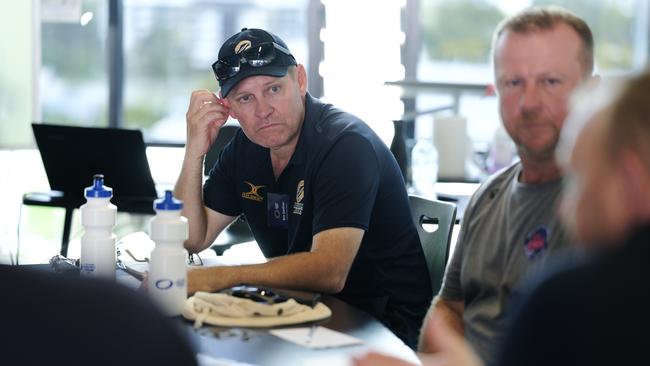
(511, 226)
(62, 319)
(322, 194)
(594, 312)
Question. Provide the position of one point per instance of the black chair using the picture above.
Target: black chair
(238, 232)
(435, 222)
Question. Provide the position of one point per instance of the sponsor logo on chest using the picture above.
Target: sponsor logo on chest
(254, 193)
(300, 195)
(536, 242)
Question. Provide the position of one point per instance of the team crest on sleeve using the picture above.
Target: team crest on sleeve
(300, 195)
(536, 242)
(254, 193)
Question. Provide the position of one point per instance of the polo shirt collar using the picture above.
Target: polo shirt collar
(309, 124)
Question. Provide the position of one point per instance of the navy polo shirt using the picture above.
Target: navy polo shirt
(340, 175)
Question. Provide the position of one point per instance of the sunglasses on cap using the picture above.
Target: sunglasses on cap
(261, 55)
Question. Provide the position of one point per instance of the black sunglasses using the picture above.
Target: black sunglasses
(257, 294)
(258, 56)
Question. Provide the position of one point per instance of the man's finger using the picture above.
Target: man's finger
(144, 285)
(378, 359)
(200, 97)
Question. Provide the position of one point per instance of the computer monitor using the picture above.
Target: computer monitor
(72, 155)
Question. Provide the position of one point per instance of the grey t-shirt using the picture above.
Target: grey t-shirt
(508, 229)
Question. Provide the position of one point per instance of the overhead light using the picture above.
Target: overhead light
(86, 18)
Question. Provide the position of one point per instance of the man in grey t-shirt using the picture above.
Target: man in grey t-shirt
(540, 56)
(510, 227)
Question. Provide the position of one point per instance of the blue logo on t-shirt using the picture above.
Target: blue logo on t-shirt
(536, 242)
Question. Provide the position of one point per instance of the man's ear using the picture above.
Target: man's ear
(301, 74)
(226, 103)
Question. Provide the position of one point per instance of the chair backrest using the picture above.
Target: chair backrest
(226, 133)
(238, 231)
(435, 222)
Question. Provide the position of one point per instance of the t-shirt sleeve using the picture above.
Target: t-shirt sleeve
(345, 185)
(219, 190)
(452, 288)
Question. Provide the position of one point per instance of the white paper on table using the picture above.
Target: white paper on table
(207, 360)
(321, 338)
(327, 360)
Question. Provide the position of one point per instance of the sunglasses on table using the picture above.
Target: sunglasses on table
(257, 294)
(260, 55)
(271, 296)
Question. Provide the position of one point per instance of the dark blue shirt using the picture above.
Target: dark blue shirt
(585, 311)
(340, 175)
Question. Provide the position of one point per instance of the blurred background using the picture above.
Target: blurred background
(416, 68)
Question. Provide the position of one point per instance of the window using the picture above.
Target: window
(16, 32)
(455, 49)
(73, 84)
(362, 51)
(169, 47)
(16, 54)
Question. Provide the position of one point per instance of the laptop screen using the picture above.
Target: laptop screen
(72, 155)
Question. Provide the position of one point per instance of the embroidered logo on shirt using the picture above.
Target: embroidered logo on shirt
(300, 194)
(536, 242)
(253, 194)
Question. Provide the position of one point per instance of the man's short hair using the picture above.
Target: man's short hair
(628, 125)
(537, 19)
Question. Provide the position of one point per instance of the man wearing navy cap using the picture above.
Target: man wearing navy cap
(322, 194)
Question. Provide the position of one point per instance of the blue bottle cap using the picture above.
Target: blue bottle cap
(168, 202)
(98, 189)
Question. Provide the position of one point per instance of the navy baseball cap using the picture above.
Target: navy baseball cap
(248, 53)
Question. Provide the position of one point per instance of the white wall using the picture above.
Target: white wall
(16, 82)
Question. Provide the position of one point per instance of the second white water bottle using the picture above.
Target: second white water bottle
(98, 241)
(168, 263)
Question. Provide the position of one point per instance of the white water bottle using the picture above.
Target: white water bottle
(424, 165)
(168, 264)
(98, 241)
